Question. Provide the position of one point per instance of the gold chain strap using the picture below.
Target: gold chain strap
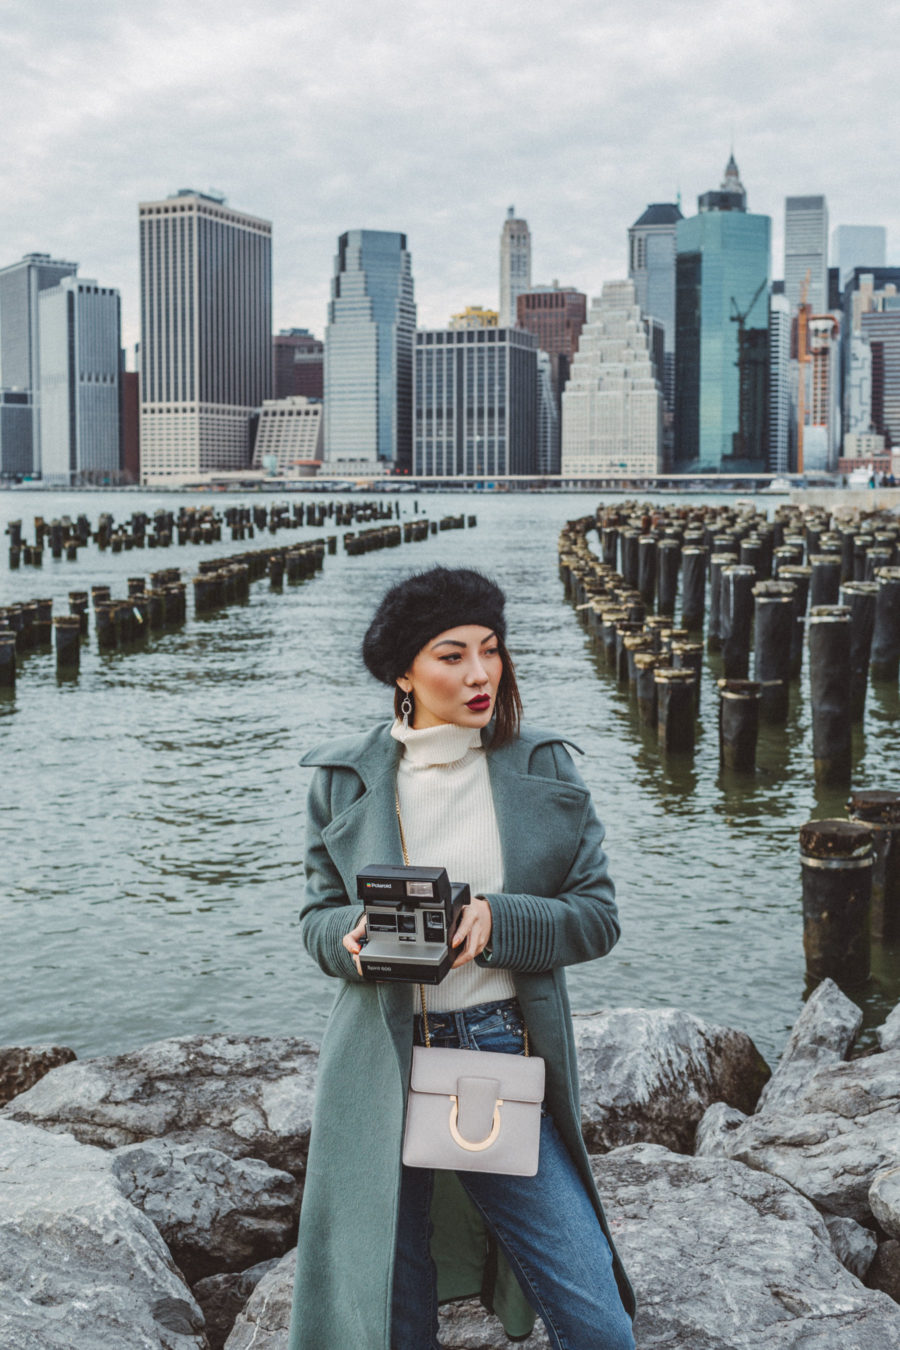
(421, 986)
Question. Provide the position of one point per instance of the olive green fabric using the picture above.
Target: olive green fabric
(557, 908)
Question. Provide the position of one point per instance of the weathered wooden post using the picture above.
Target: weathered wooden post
(825, 582)
(68, 643)
(667, 567)
(693, 586)
(717, 562)
(829, 686)
(736, 618)
(836, 858)
(645, 664)
(886, 631)
(647, 568)
(859, 598)
(799, 576)
(738, 724)
(7, 659)
(675, 704)
(774, 618)
(879, 810)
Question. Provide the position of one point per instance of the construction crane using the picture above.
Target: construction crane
(803, 357)
(741, 440)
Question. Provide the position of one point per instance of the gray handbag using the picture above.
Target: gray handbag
(472, 1110)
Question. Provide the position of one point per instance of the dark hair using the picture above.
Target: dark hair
(507, 709)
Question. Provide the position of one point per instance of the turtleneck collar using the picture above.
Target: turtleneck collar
(444, 744)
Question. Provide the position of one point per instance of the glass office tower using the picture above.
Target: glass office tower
(721, 341)
(369, 351)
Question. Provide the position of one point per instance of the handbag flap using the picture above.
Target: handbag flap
(519, 1078)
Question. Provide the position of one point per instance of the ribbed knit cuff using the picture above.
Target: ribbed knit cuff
(332, 928)
(523, 934)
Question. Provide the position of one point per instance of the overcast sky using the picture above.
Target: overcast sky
(328, 115)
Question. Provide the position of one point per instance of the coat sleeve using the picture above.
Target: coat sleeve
(327, 913)
(535, 933)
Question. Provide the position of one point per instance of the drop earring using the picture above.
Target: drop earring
(406, 708)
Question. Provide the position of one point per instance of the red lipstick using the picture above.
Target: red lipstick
(479, 702)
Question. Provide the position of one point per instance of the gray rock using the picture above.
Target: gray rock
(884, 1272)
(265, 1321)
(837, 1134)
(221, 1298)
(884, 1197)
(717, 1124)
(250, 1096)
(854, 1246)
(823, 1034)
(889, 1031)
(649, 1074)
(22, 1065)
(467, 1326)
(80, 1266)
(216, 1213)
(724, 1258)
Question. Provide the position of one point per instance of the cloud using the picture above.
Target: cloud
(366, 113)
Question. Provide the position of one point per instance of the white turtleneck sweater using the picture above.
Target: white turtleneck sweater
(449, 821)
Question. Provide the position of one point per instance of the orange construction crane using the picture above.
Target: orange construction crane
(803, 312)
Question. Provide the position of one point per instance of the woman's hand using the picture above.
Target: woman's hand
(473, 932)
(353, 942)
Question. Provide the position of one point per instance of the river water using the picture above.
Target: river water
(153, 810)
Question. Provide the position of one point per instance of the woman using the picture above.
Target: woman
(504, 809)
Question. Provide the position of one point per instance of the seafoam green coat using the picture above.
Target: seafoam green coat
(557, 908)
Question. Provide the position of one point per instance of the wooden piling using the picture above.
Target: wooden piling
(836, 861)
(879, 809)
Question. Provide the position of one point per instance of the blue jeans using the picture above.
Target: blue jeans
(546, 1225)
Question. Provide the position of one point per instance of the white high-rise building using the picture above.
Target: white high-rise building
(613, 404)
(515, 265)
(289, 434)
(206, 333)
(806, 250)
(857, 246)
(780, 404)
(20, 426)
(79, 358)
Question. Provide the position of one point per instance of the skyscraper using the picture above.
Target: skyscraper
(556, 315)
(476, 402)
(206, 332)
(298, 362)
(806, 250)
(515, 265)
(855, 246)
(651, 266)
(369, 351)
(81, 411)
(613, 404)
(779, 444)
(722, 336)
(20, 285)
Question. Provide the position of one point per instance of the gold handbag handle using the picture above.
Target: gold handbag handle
(422, 996)
(466, 1143)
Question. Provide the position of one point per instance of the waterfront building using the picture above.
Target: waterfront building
(476, 402)
(289, 433)
(722, 335)
(556, 315)
(369, 352)
(780, 411)
(855, 246)
(548, 438)
(298, 364)
(864, 293)
(20, 285)
(206, 333)
(79, 353)
(131, 425)
(515, 265)
(881, 328)
(806, 250)
(474, 316)
(651, 266)
(613, 405)
(822, 422)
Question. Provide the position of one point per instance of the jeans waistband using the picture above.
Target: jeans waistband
(466, 1018)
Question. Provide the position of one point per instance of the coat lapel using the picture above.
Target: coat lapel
(540, 822)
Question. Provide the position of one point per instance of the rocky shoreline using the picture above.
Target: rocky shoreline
(150, 1199)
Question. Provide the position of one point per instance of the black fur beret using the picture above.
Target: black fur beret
(423, 605)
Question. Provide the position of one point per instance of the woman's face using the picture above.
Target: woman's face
(455, 678)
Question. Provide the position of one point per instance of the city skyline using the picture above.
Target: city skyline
(353, 136)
